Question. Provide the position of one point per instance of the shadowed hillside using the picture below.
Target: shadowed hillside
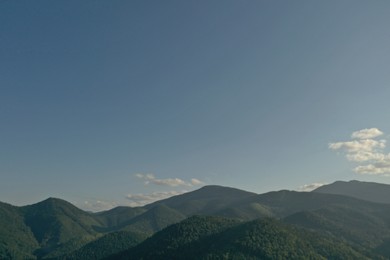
(219, 238)
(107, 245)
(16, 239)
(58, 225)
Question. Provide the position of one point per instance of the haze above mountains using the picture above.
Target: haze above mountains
(354, 214)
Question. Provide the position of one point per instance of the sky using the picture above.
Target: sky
(107, 103)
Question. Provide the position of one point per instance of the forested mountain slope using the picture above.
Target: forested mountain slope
(54, 228)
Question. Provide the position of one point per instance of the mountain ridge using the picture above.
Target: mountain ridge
(54, 228)
(370, 191)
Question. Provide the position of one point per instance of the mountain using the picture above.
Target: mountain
(55, 228)
(58, 226)
(283, 203)
(371, 191)
(365, 225)
(155, 219)
(117, 218)
(16, 239)
(170, 240)
(206, 200)
(107, 245)
(218, 238)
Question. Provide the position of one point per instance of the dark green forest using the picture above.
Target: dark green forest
(213, 222)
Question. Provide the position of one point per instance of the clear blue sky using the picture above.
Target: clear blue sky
(246, 94)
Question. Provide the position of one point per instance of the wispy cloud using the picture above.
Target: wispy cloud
(196, 182)
(366, 151)
(367, 133)
(141, 199)
(172, 182)
(311, 186)
(97, 205)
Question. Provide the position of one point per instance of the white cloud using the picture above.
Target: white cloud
(366, 145)
(196, 182)
(367, 133)
(372, 169)
(366, 150)
(172, 182)
(365, 156)
(141, 199)
(97, 205)
(311, 186)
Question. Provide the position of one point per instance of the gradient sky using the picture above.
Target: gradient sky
(106, 103)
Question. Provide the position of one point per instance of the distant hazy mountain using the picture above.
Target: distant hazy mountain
(371, 191)
(283, 203)
(55, 228)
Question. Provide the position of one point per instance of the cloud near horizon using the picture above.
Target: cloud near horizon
(140, 199)
(366, 151)
(311, 186)
(97, 205)
(172, 182)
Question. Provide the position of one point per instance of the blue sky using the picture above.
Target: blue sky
(108, 103)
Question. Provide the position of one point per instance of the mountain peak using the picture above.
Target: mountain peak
(218, 189)
(206, 199)
(369, 191)
(55, 201)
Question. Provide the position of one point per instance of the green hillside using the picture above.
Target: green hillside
(58, 226)
(170, 241)
(365, 225)
(117, 218)
(107, 245)
(16, 239)
(55, 228)
(219, 238)
(154, 220)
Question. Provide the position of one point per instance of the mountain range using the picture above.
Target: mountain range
(338, 221)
